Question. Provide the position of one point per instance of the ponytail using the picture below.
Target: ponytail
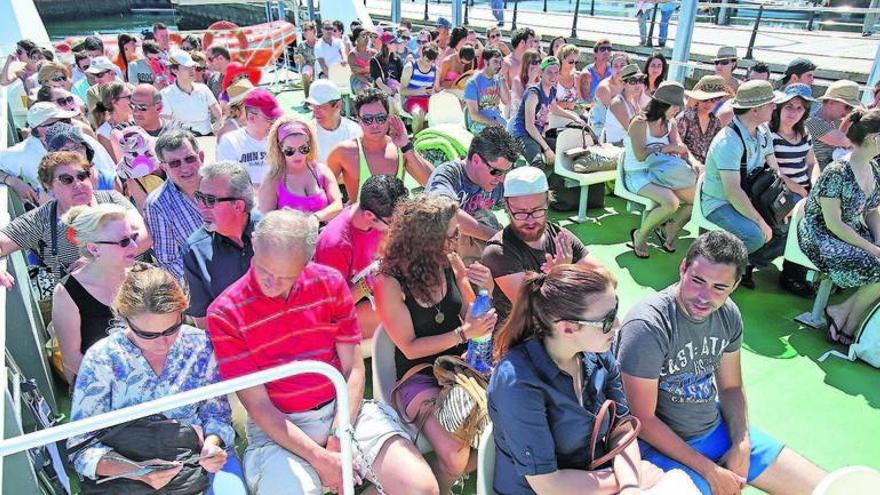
(861, 123)
(526, 320)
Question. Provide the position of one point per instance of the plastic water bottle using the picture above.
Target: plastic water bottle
(479, 352)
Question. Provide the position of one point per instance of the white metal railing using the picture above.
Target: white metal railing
(101, 421)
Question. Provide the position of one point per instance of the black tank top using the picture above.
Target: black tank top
(425, 323)
(94, 316)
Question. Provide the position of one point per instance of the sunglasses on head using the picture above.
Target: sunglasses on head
(123, 243)
(303, 149)
(63, 102)
(189, 160)
(606, 324)
(81, 176)
(379, 118)
(155, 335)
(726, 61)
(210, 201)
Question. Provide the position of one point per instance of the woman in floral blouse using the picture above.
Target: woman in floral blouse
(152, 355)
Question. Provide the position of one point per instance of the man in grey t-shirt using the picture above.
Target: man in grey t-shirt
(679, 351)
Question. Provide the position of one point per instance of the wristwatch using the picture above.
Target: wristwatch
(406, 148)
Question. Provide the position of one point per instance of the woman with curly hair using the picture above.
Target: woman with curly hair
(423, 293)
(296, 180)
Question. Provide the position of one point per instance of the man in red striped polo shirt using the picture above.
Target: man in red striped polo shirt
(287, 308)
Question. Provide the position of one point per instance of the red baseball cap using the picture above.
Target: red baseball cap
(263, 100)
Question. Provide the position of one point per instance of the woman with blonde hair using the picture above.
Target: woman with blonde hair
(423, 294)
(570, 90)
(152, 354)
(81, 302)
(296, 180)
(54, 75)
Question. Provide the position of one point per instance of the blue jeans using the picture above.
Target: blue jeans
(644, 18)
(714, 445)
(760, 254)
(230, 479)
(666, 11)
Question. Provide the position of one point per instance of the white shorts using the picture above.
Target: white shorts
(272, 469)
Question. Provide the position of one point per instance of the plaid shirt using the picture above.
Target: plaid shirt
(171, 217)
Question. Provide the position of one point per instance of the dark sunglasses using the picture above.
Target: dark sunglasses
(606, 324)
(304, 149)
(379, 118)
(63, 102)
(139, 107)
(201, 69)
(123, 243)
(58, 78)
(604, 48)
(81, 176)
(210, 201)
(493, 171)
(189, 160)
(155, 335)
(635, 81)
(103, 73)
(726, 61)
(494, 36)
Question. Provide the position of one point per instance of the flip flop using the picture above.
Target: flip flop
(660, 232)
(841, 337)
(632, 245)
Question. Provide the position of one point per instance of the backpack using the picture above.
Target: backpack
(866, 345)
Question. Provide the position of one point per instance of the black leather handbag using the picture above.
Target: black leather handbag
(765, 188)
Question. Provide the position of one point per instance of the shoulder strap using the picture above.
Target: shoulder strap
(744, 158)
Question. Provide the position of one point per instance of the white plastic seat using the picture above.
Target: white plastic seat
(563, 167)
(852, 480)
(341, 76)
(815, 318)
(486, 462)
(698, 221)
(444, 108)
(633, 200)
(385, 377)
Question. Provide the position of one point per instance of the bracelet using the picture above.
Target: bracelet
(406, 148)
(460, 332)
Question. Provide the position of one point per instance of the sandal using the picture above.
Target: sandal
(632, 245)
(834, 334)
(660, 232)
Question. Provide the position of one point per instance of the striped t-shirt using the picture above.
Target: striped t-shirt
(792, 157)
(421, 79)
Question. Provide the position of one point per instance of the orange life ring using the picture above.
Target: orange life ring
(239, 34)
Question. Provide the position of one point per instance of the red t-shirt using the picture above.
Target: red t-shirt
(345, 248)
(252, 332)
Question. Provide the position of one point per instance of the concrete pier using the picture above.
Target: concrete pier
(71, 9)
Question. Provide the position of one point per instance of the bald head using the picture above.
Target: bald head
(146, 106)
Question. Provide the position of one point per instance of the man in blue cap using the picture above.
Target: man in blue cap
(443, 27)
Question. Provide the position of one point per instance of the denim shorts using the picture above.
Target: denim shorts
(714, 445)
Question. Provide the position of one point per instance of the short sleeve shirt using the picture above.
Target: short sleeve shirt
(192, 109)
(725, 154)
(327, 140)
(659, 341)
(241, 147)
(486, 92)
(539, 425)
(507, 254)
(450, 179)
(818, 127)
(307, 52)
(345, 248)
(253, 332)
(331, 53)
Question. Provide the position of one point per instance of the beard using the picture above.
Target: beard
(530, 235)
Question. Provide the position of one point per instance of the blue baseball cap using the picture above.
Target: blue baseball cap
(443, 22)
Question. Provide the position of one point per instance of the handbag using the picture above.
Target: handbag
(461, 407)
(610, 441)
(766, 190)
(144, 439)
(596, 158)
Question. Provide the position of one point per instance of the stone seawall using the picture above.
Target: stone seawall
(72, 9)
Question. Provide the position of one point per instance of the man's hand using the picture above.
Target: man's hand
(737, 459)
(768, 232)
(564, 253)
(24, 191)
(397, 131)
(480, 275)
(724, 481)
(329, 469)
(212, 457)
(549, 156)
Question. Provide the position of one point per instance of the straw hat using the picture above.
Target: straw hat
(671, 93)
(843, 91)
(239, 91)
(725, 53)
(630, 71)
(708, 87)
(753, 94)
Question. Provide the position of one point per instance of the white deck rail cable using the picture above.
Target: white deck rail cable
(101, 421)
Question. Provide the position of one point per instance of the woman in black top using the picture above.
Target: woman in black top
(422, 295)
(81, 302)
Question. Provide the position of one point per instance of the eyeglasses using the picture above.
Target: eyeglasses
(494, 36)
(606, 324)
(58, 78)
(523, 215)
(103, 73)
(635, 81)
(304, 149)
(123, 243)
(210, 201)
(81, 176)
(535, 62)
(122, 97)
(379, 118)
(726, 61)
(155, 335)
(139, 107)
(63, 102)
(604, 48)
(189, 160)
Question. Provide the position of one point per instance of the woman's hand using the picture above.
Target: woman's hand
(212, 457)
(24, 191)
(479, 326)
(480, 275)
(159, 478)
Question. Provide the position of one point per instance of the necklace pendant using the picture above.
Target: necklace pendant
(439, 318)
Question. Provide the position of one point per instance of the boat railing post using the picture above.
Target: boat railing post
(810, 23)
(426, 10)
(592, 8)
(395, 11)
(545, 5)
(574, 22)
(873, 77)
(515, 11)
(651, 27)
(466, 11)
(312, 10)
(755, 31)
(683, 36)
(456, 12)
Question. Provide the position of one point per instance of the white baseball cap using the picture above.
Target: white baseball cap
(323, 91)
(100, 64)
(180, 57)
(42, 111)
(523, 181)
